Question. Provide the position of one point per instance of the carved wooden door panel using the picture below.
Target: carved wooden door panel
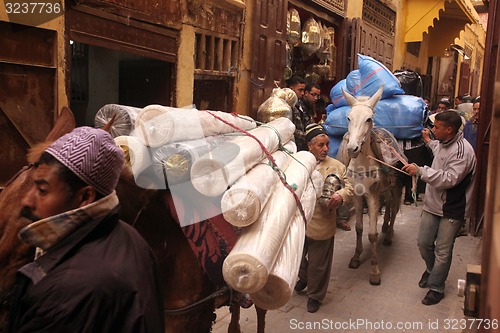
(27, 92)
(268, 53)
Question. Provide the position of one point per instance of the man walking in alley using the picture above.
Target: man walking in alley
(300, 117)
(447, 202)
(317, 256)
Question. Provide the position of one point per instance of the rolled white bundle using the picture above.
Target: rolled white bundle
(248, 265)
(173, 161)
(212, 174)
(135, 153)
(124, 122)
(242, 204)
(157, 125)
(279, 286)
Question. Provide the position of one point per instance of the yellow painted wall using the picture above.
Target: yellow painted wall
(185, 67)
(354, 8)
(473, 36)
(56, 24)
(243, 88)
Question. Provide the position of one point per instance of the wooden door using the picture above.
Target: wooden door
(370, 41)
(27, 92)
(268, 54)
(464, 83)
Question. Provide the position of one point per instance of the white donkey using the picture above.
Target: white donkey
(370, 177)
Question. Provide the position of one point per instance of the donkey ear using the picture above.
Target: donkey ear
(349, 98)
(376, 97)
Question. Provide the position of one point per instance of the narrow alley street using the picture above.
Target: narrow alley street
(353, 305)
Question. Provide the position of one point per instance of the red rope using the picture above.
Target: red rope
(269, 156)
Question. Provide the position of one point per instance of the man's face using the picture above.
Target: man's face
(312, 96)
(299, 89)
(320, 147)
(441, 107)
(442, 132)
(48, 196)
(475, 110)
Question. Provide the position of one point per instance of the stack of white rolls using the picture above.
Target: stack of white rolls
(243, 202)
(254, 172)
(219, 169)
(157, 125)
(249, 263)
(279, 286)
(124, 118)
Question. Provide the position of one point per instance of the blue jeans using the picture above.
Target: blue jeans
(436, 237)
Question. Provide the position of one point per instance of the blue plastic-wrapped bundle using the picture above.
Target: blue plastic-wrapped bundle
(329, 108)
(336, 95)
(373, 75)
(402, 115)
(336, 122)
(353, 81)
(335, 142)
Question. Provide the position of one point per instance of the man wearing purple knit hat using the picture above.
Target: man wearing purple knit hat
(91, 272)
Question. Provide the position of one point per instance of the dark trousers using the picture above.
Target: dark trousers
(316, 266)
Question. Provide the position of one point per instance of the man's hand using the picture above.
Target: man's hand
(412, 169)
(426, 135)
(335, 201)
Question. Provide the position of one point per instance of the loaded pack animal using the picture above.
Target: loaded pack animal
(190, 297)
(373, 179)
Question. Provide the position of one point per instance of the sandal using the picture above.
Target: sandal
(343, 225)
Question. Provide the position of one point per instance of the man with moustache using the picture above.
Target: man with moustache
(91, 272)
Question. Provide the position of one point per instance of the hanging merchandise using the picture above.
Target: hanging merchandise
(311, 37)
(332, 60)
(323, 52)
(288, 61)
(293, 33)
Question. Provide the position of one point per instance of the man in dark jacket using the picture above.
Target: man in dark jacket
(92, 272)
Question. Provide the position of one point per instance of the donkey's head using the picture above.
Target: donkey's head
(360, 120)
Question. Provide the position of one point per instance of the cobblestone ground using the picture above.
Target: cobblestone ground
(353, 305)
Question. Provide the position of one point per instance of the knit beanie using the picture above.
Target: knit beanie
(92, 155)
(313, 130)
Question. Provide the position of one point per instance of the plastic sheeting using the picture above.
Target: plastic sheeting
(172, 162)
(402, 115)
(242, 204)
(279, 286)
(212, 174)
(157, 125)
(124, 122)
(136, 154)
(247, 267)
(274, 107)
(373, 75)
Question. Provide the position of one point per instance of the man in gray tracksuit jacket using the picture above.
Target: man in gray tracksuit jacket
(448, 198)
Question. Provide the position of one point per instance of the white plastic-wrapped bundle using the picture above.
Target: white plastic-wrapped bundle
(173, 161)
(124, 122)
(247, 267)
(242, 204)
(279, 286)
(135, 153)
(212, 174)
(157, 125)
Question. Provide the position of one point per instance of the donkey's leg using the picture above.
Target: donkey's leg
(234, 325)
(358, 208)
(396, 194)
(373, 207)
(261, 319)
